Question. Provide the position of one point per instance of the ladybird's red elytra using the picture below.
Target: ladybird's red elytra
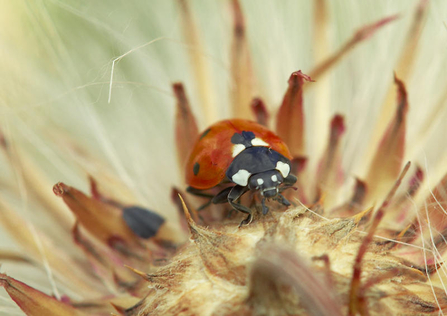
(245, 153)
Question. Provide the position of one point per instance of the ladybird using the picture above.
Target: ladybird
(244, 153)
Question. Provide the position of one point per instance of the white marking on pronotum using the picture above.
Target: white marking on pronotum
(274, 178)
(237, 149)
(260, 181)
(259, 142)
(241, 177)
(283, 168)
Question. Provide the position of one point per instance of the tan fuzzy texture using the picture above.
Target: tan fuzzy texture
(220, 272)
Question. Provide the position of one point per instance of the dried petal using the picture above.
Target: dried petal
(290, 120)
(35, 303)
(186, 130)
(241, 68)
(40, 249)
(102, 220)
(362, 34)
(387, 161)
(403, 69)
(199, 63)
(330, 173)
(260, 111)
(276, 268)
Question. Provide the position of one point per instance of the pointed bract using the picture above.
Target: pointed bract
(186, 130)
(35, 303)
(290, 117)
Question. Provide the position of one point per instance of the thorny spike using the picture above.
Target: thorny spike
(241, 68)
(260, 111)
(362, 34)
(219, 261)
(290, 117)
(355, 305)
(188, 217)
(387, 161)
(199, 62)
(186, 130)
(139, 273)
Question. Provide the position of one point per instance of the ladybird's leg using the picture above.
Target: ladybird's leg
(222, 196)
(265, 209)
(235, 193)
(199, 193)
(202, 194)
(281, 199)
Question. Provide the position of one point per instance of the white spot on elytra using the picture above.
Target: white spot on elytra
(274, 178)
(241, 177)
(283, 168)
(260, 181)
(237, 149)
(259, 142)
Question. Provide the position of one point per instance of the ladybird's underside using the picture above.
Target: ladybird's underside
(231, 271)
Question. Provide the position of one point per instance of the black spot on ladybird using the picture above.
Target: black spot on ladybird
(196, 168)
(243, 138)
(205, 133)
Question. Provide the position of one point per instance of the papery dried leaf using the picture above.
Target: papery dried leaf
(35, 303)
(186, 130)
(273, 271)
(199, 62)
(359, 36)
(260, 111)
(36, 184)
(241, 68)
(107, 265)
(387, 161)
(355, 204)
(102, 220)
(330, 173)
(403, 67)
(13, 256)
(290, 119)
(434, 209)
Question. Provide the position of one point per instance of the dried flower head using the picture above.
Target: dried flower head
(118, 93)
